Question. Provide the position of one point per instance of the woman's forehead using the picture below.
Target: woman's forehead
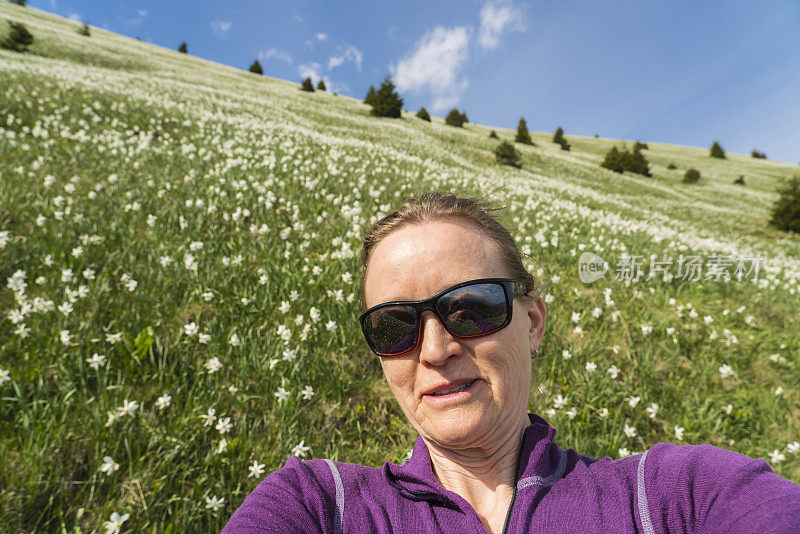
(418, 261)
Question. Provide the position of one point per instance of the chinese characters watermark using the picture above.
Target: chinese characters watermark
(689, 268)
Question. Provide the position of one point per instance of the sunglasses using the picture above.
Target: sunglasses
(469, 309)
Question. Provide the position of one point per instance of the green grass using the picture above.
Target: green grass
(128, 130)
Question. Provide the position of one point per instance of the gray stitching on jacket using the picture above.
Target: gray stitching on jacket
(337, 479)
(641, 494)
(548, 480)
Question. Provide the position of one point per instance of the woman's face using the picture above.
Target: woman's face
(416, 262)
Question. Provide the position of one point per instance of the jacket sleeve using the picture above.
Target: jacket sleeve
(704, 489)
(754, 500)
(293, 500)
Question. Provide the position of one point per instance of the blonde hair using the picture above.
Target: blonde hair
(437, 206)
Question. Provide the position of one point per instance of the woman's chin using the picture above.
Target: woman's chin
(455, 426)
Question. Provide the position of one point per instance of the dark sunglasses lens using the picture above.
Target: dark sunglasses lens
(474, 310)
(391, 330)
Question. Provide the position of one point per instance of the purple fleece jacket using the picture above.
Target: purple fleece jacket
(666, 489)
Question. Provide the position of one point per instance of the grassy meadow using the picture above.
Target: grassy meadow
(179, 263)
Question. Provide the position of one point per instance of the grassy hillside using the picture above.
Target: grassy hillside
(178, 251)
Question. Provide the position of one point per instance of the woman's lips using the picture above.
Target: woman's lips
(454, 397)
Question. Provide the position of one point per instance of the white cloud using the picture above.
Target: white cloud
(335, 87)
(351, 53)
(74, 17)
(277, 54)
(220, 28)
(435, 64)
(321, 36)
(141, 14)
(311, 70)
(498, 16)
(298, 18)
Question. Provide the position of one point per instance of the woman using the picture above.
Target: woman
(457, 356)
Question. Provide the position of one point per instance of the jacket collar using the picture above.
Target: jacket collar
(540, 461)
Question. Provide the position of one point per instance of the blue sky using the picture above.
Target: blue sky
(682, 72)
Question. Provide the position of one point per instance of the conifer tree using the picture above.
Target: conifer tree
(307, 85)
(423, 114)
(464, 119)
(182, 48)
(256, 68)
(19, 38)
(321, 86)
(507, 154)
(386, 102)
(786, 210)
(739, 180)
(85, 30)
(370, 95)
(22, 3)
(493, 135)
(691, 176)
(717, 151)
(522, 133)
(559, 138)
(454, 118)
(758, 155)
(621, 160)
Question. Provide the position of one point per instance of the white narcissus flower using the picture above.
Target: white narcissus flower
(652, 410)
(64, 337)
(282, 394)
(633, 401)
(330, 326)
(591, 367)
(307, 392)
(113, 525)
(128, 408)
(214, 503)
(300, 449)
(725, 371)
(209, 417)
(630, 431)
(623, 452)
(224, 425)
(559, 401)
(190, 329)
(5, 376)
(793, 447)
(109, 465)
(613, 371)
(776, 456)
(114, 338)
(96, 361)
(604, 413)
(213, 365)
(235, 341)
(163, 401)
(204, 338)
(256, 470)
(679, 432)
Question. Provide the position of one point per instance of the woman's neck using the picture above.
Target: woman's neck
(484, 474)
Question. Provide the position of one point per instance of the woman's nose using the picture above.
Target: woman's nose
(436, 343)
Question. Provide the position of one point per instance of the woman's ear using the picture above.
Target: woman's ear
(537, 313)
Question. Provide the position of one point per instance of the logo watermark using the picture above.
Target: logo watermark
(689, 268)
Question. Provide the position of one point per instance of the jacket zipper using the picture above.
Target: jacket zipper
(510, 510)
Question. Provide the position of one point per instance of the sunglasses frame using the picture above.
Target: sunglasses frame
(510, 290)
